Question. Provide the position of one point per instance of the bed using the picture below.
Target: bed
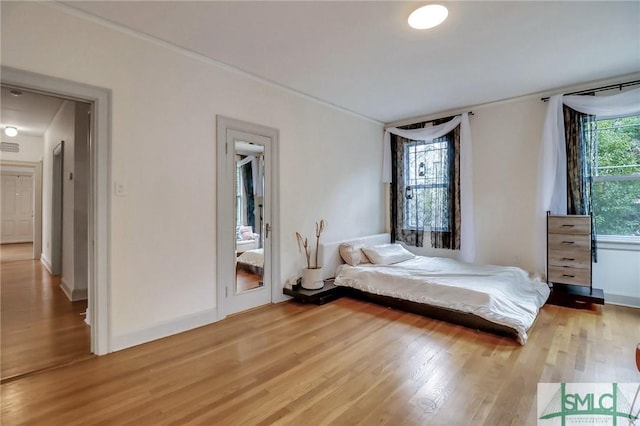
(251, 261)
(497, 299)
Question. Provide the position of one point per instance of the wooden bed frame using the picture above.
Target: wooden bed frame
(449, 315)
(331, 260)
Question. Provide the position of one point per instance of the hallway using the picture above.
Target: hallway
(40, 327)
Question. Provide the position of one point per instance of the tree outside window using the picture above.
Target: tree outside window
(616, 186)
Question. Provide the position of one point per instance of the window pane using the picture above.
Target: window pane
(616, 191)
(425, 181)
(616, 206)
(618, 146)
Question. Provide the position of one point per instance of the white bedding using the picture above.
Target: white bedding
(503, 295)
(252, 257)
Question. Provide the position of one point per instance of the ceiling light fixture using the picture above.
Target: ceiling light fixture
(10, 131)
(15, 92)
(428, 16)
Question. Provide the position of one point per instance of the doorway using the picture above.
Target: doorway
(43, 302)
(247, 214)
(98, 168)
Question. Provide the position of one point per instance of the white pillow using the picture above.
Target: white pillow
(387, 254)
(352, 254)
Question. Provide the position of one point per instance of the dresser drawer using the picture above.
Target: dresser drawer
(580, 259)
(572, 243)
(580, 225)
(570, 276)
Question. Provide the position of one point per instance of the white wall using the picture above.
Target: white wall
(617, 271)
(164, 105)
(30, 148)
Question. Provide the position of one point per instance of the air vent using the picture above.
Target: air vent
(9, 147)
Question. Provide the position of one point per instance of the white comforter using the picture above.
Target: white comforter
(253, 257)
(503, 295)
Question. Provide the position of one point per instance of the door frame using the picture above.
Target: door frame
(225, 209)
(99, 208)
(36, 170)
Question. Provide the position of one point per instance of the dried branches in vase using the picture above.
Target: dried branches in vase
(303, 243)
(311, 275)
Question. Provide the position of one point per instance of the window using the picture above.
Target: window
(239, 198)
(425, 187)
(426, 183)
(616, 184)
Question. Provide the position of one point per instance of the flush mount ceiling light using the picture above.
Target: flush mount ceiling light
(428, 16)
(10, 131)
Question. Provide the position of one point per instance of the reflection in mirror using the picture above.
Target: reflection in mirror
(249, 184)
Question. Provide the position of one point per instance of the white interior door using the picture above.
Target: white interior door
(17, 208)
(237, 297)
(230, 297)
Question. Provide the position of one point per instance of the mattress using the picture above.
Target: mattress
(252, 257)
(245, 245)
(500, 294)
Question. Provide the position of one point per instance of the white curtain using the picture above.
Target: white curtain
(467, 231)
(552, 170)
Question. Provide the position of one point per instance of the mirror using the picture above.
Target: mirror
(249, 190)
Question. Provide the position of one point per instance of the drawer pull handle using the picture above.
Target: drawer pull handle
(568, 226)
(568, 242)
(568, 258)
(567, 275)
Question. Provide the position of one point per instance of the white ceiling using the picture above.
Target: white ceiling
(362, 56)
(30, 113)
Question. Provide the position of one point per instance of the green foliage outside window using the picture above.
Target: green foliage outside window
(616, 187)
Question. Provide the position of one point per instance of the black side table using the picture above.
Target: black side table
(329, 292)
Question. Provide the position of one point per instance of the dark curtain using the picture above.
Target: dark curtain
(444, 202)
(247, 179)
(400, 192)
(580, 134)
(450, 239)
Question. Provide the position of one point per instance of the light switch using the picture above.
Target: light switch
(120, 189)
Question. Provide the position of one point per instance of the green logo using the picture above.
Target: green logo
(587, 403)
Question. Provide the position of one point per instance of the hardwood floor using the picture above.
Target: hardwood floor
(13, 252)
(346, 362)
(40, 328)
(246, 280)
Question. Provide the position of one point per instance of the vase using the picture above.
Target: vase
(312, 278)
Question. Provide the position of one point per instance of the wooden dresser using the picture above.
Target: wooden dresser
(569, 257)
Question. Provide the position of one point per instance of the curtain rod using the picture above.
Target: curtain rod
(599, 89)
(430, 121)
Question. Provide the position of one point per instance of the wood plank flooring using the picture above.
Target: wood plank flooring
(346, 362)
(40, 327)
(246, 280)
(18, 251)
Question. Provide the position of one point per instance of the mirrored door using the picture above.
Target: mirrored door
(249, 215)
(251, 176)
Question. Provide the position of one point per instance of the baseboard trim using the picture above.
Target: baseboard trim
(616, 299)
(46, 263)
(164, 329)
(73, 294)
(18, 241)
